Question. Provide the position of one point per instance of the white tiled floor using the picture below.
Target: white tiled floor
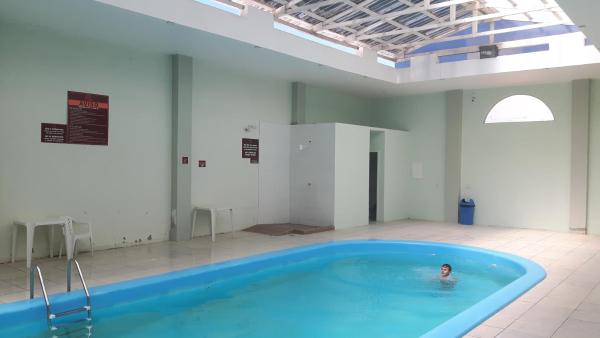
(566, 304)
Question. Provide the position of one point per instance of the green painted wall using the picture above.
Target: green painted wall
(424, 116)
(227, 107)
(594, 161)
(122, 188)
(518, 173)
(327, 105)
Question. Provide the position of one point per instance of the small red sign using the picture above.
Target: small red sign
(202, 164)
(184, 160)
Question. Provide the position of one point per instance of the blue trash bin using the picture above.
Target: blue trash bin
(466, 211)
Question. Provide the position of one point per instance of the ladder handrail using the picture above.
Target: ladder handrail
(85, 288)
(49, 315)
(43, 286)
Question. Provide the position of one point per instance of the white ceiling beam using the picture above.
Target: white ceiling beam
(281, 2)
(407, 47)
(353, 8)
(395, 23)
(475, 24)
(284, 8)
(425, 12)
(393, 15)
(392, 44)
(292, 10)
(456, 22)
(299, 23)
(380, 22)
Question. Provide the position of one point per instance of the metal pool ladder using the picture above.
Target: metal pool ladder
(81, 328)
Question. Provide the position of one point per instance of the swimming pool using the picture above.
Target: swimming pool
(337, 289)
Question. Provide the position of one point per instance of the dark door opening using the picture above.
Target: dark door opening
(373, 186)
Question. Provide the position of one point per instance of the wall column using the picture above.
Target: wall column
(181, 174)
(580, 118)
(298, 103)
(454, 109)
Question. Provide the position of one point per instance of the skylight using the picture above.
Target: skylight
(305, 35)
(398, 30)
(224, 5)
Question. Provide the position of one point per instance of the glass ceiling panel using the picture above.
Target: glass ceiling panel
(397, 28)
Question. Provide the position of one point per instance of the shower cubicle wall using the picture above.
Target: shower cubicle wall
(323, 178)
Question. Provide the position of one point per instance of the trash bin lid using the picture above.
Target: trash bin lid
(467, 202)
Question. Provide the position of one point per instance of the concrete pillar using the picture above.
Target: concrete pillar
(580, 118)
(298, 103)
(454, 109)
(181, 173)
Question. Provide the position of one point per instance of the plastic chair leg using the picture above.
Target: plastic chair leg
(30, 241)
(14, 243)
(194, 215)
(213, 221)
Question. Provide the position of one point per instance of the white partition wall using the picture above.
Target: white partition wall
(351, 175)
(329, 174)
(377, 144)
(312, 174)
(274, 174)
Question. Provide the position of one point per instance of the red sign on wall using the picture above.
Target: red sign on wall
(250, 149)
(54, 133)
(87, 118)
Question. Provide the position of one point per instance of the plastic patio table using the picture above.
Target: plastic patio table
(30, 227)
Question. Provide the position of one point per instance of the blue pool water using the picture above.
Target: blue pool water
(341, 289)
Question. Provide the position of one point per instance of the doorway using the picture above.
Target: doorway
(373, 158)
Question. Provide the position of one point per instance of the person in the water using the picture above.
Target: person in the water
(445, 275)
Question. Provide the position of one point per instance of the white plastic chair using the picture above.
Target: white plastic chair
(77, 231)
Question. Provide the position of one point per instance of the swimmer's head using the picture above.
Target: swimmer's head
(445, 270)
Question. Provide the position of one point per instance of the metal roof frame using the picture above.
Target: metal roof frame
(395, 28)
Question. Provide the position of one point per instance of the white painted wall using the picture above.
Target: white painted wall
(518, 173)
(312, 185)
(123, 188)
(226, 102)
(352, 145)
(274, 174)
(594, 161)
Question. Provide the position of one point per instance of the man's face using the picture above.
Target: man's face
(444, 271)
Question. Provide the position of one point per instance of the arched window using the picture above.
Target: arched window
(519, 108)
